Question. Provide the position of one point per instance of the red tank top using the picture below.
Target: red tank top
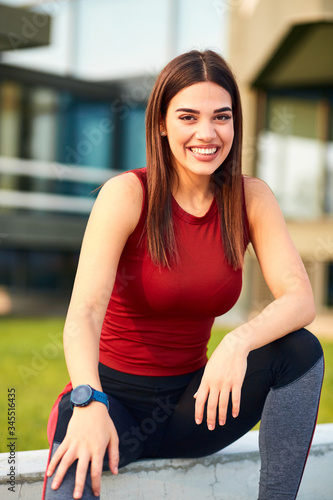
(158, 320)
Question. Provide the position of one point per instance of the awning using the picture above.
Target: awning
(304, 58)
(22, 29)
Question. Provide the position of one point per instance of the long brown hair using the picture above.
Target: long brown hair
(183, 71)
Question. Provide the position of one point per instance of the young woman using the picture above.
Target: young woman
(162, 256)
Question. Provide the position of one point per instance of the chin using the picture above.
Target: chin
(205, 169)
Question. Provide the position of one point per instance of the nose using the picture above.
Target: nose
(205, 130)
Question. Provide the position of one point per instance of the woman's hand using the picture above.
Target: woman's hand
(90, 432)
(224, 374)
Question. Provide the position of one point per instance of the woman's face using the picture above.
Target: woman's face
(199, 127)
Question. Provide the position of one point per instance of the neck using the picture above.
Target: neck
(193, 193)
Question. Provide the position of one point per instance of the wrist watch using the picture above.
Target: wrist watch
(83, 395)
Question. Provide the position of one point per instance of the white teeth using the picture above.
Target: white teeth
(204, 151)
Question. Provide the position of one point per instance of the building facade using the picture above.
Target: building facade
(282, 53)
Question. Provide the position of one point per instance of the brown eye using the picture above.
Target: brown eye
(187, 118)
(223, 117)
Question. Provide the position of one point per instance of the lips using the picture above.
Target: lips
(205, 153)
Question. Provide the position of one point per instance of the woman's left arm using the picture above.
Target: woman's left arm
(292, 308)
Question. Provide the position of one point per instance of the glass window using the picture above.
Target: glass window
(10, 120)
(85, 132)
(132, 142)
(292, 154)
(10, 127)
(9, 262)
(40, 132)
(37, 270)
(85, 138)
(42, 109)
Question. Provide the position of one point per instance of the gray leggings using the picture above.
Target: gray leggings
(154, 416)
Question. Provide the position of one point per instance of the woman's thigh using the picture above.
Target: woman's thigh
(272, 366)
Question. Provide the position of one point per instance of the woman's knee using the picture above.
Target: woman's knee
(303, 343)
(298, 352)
(287, 358)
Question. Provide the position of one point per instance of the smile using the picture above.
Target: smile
(204, 151)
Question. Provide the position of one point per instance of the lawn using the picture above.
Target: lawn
(32, 362)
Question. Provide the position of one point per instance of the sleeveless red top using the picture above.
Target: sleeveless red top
(158, 320)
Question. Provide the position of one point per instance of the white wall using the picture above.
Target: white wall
(107, 39)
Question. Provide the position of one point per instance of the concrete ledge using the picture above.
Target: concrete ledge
(231, 474)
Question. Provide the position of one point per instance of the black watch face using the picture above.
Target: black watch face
(81, 394)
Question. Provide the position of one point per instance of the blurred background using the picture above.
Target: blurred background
(75, 76)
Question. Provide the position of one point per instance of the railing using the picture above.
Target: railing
(48, 201)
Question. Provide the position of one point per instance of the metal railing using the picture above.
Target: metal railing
(48, 201)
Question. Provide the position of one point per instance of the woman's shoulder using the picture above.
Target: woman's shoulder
(253, 185)
(260, 199)
(126, 185)
(123, 196)
(256, 190)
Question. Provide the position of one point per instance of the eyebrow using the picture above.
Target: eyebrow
(195, 111)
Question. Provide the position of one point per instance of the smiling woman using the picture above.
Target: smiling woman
(162, 256)
(198, 98)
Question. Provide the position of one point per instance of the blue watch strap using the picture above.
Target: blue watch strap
(101, 397)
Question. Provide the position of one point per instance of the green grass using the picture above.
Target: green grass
(32, 362)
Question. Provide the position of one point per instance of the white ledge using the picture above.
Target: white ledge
(231, 474)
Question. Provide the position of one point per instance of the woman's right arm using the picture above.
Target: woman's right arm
(90, 432)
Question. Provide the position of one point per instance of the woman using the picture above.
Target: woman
(161, 257)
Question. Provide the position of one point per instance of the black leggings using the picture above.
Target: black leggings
(154, 416)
